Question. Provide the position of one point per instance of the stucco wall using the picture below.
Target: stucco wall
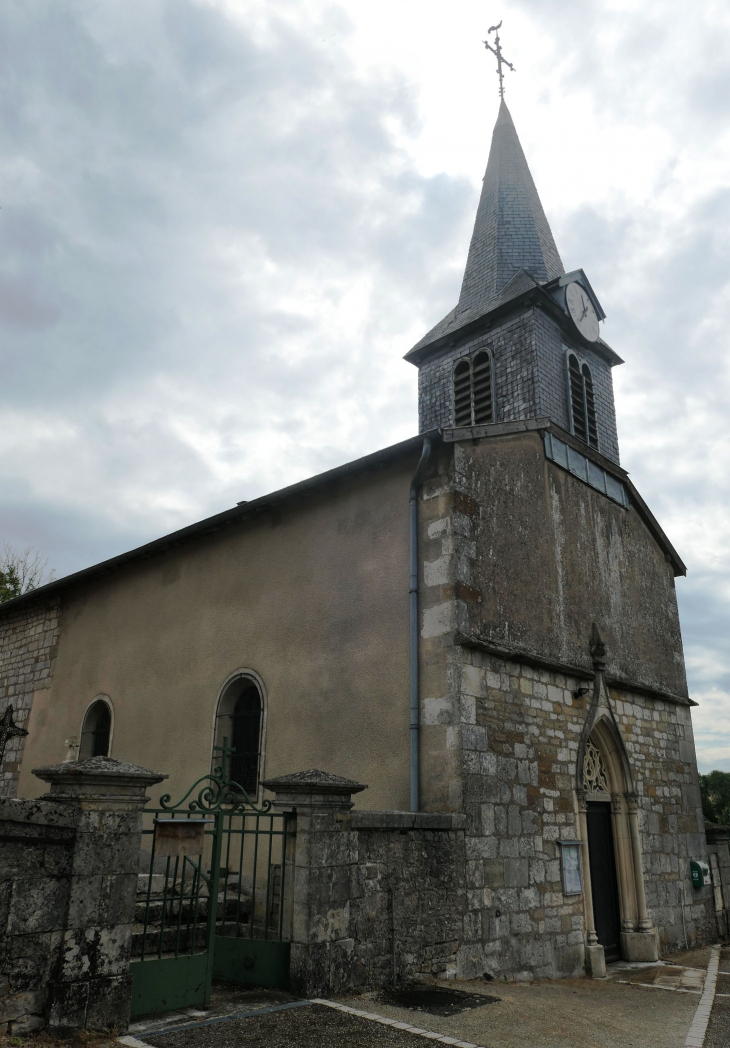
(312, 596)
(552, 556)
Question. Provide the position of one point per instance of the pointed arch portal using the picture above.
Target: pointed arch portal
(615, 901)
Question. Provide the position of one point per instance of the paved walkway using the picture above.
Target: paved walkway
(718, 1028)
(637, 1006)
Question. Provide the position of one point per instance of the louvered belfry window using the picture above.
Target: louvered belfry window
(590, 407)
(582, 401)
(473, 404)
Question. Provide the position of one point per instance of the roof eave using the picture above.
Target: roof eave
(538, 295)
(240, 512)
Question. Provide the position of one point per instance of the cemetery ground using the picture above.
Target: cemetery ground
(637, 1006)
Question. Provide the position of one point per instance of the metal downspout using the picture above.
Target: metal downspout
(413, 598)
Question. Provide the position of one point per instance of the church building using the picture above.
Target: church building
(481, 619)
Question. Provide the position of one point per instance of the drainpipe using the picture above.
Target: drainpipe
(413, 598)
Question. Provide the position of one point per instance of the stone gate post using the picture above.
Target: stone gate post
(322, 949)
(69, 868)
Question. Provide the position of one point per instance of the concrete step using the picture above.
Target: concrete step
(228, 907)
(183, 944)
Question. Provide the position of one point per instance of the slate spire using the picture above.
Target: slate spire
(511, 231)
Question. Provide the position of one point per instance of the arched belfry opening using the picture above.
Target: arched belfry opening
(617, 922)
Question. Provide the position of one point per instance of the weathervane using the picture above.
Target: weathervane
(497, 50)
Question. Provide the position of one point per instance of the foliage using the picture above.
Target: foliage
(715, 792)
(21, 572)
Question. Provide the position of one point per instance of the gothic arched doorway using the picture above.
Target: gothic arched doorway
(602, 853)
(615, 902)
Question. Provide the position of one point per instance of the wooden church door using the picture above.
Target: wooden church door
(606, 910)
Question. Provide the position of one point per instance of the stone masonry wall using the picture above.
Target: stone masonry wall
(28, 645)
(519, 731)
(500, 739)
(409, 899)
(67, 891)
(377, 895)
(36, 854)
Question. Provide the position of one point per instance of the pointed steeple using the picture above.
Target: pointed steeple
(511, 231)
(512, 248)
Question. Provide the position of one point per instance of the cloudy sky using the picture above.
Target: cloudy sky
(223, 223)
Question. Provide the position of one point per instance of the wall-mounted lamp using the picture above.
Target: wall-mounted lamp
(580, 693)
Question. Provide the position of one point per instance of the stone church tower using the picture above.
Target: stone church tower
(554, 705)
(513, 261)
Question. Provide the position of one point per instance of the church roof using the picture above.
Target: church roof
(512, 247)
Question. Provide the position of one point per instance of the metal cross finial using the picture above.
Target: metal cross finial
(8, 730)
(497, 50)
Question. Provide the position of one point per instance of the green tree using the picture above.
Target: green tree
(21, 572)
(715, 792)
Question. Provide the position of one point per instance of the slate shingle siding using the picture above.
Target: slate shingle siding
(529, 377)
(552, 383)
(511, 231)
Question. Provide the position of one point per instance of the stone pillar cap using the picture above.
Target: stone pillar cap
(99, 782)
(313, 789)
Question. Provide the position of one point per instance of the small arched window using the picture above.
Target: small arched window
(96, 731)
(473, 401)
(582, 402)
(239, 725)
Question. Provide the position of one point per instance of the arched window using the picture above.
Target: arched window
(582, 401)
(473, 401)
(96, 731)
(239, 724)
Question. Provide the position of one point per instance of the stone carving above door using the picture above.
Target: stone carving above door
(595, 774)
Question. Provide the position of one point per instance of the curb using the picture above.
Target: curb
(696, 1033)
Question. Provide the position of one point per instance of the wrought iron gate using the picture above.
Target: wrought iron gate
(216, 900)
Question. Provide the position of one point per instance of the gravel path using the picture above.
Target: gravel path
(315, 1026)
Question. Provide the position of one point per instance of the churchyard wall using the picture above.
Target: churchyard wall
(28, 649)
(379, 897)
(68, 880)
(409, 898)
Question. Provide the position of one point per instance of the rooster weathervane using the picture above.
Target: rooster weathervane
(497, 50)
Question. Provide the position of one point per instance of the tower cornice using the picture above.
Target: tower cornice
(492, 317)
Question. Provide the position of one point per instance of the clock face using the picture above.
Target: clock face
(581, 310)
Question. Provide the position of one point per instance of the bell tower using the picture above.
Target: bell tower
(524, 339)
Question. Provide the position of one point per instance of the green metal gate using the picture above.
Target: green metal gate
(216, 901)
